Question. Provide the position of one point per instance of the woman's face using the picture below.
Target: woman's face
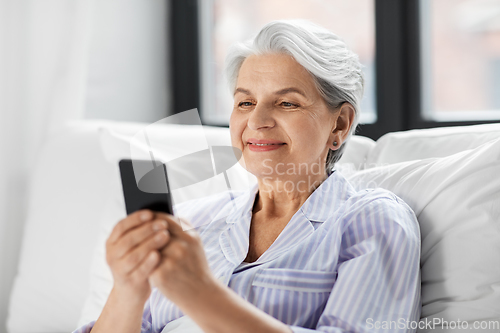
(277, 105)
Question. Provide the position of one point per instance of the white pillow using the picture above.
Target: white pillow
(356, 153)
(101, 279)
(66, 198)
(457, 202)
(169, 142)
(418, 144)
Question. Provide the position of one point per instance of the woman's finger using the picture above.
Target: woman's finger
(174, 223)
(135, 258)
(135, 237)
(131, 221)
(146, 267)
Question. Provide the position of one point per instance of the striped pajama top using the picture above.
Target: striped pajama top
(347, 261)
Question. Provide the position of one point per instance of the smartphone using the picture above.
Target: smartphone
(145, 186)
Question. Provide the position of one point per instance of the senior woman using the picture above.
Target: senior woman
(302, 251)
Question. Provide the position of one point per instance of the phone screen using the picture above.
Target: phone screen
(145, 186)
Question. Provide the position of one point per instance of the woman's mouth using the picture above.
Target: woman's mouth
(264, 145)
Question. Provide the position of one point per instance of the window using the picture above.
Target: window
(224, 22)
(127, 68)
(428, 63)
(461, 59)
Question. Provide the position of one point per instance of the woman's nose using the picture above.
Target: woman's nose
(261, 117)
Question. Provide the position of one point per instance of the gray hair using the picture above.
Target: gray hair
(335, 69)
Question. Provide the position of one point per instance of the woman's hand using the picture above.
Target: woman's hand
(132, 253)
(183, 273)
(184, 277)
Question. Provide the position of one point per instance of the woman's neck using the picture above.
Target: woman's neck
(282, 197)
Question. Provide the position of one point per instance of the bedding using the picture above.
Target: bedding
(53, 281)
(456, 200)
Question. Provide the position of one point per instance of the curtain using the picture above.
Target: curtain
(44, 50)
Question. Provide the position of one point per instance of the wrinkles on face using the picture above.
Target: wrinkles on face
(277, 99)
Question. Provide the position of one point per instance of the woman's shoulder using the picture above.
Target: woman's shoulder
(378, 196)
(380, 208)
(355, 199)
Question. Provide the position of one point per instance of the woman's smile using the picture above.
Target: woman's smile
(259, 145)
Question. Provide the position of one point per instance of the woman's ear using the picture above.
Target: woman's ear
(342, 126)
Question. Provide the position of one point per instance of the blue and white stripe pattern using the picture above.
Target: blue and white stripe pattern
(345, 261)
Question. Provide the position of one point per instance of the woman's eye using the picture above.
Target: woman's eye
(245, 104)
(288, 105)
